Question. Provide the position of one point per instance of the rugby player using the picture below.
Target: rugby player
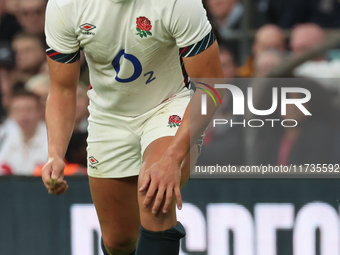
(139, 124)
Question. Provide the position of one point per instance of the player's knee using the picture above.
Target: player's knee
(122, 246)
(160, 221)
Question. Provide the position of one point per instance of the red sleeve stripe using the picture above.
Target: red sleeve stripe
(198, 47)
(183, 50)
(53, 54)
(62, 58)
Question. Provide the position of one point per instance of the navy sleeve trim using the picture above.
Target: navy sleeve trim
(62, 58)
(198, 47)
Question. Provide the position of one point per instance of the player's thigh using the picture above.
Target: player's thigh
(155, 151)
(117, 208)
(114, 149)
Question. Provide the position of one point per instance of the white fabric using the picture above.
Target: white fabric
(327, 73)
(175, 23)
(115, 149)
(20, 157)
(8, 127)
(319, 69)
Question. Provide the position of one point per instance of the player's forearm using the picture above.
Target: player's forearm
(207, 64)
(61, 105)
(60, 117)
(192, 127)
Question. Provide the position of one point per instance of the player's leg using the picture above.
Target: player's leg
(117, 208)
(113, 166)
(161, 233)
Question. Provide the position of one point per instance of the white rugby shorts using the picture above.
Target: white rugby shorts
(116, 143)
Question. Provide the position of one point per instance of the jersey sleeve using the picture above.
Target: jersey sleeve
(59, 30)
(196, 48)
(189, 23)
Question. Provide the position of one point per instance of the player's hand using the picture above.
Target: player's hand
(53, 176)
(162, 180)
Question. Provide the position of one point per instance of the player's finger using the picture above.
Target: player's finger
(47, 184)
(46, 176)
(61, 189)
(178, 197)
(58, 188)
(57, 175)
(54, 185)
(149, 195)
(145, 182)
(168, 199)
(158, 199)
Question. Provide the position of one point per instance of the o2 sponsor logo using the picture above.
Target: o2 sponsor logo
(138, 69)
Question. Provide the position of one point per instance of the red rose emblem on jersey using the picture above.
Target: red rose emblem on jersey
(174, 121)
(144, 24)
(143, 27)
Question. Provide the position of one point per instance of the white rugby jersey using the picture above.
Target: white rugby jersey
(131, 46)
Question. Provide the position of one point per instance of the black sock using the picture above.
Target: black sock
(160, 242)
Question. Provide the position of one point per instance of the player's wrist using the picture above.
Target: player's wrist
(174, 155)
(177, 150)
(55, 154)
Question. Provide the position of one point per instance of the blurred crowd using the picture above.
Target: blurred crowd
(284, 30)
(24, 87)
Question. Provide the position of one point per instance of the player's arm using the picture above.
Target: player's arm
(206, 64)
(190, 28)
(64, 66)
(60, 117)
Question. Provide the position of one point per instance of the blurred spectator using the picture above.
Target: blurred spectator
(7, 76)
(228, 63)
(8, 22)
(75, 157)
(7, 84)
(31, 17)
(30, 55)
(44, 69)
(311, 141)
(7, 128)
(40, 85)
(2, 7)
(225, 15)
(265, 61)
(267, 37)
(12, 6)
(81, 109)
(22, 151)
(7, 59)
(287, 13)
(306, 37)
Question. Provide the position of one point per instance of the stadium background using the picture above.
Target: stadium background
(221, 216)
